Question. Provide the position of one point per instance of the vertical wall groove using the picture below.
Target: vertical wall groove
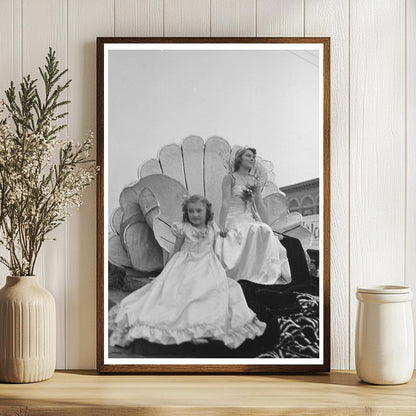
(280, 18)
(87, 19)
(304, 18)
(349, 184)
(67, 253)
(410, 279)
(405, 142)
(44, 25)
(267, 18)
(210, 18)
(65, 225)
(21, 39)
(377, 140)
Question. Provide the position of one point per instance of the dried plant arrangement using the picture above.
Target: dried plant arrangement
(42, 175)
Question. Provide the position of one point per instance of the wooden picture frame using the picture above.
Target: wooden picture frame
(170, 81)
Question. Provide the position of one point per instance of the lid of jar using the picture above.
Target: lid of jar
(384, 289)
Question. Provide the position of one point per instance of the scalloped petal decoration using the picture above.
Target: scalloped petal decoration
(150, 206)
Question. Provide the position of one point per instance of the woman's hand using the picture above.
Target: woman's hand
(223, 232)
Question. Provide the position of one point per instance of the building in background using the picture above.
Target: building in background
(303, 197)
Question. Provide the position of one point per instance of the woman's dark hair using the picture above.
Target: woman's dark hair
(193, 199)
(239, 155)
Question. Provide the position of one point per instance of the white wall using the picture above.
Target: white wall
(373, 132)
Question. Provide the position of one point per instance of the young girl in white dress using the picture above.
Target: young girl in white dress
(192, 299)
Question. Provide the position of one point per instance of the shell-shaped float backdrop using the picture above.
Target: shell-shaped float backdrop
(141, 233)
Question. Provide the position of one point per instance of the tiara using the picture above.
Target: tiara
(241, 150)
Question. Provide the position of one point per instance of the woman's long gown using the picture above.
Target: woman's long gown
(251, 251)
(192, 298)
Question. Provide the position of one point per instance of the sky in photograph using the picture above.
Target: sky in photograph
(265, 99)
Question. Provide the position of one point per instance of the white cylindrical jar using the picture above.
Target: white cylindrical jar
(384, 337)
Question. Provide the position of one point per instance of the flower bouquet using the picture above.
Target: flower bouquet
(248, 192)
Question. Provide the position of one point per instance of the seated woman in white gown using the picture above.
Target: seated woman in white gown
(249, 248)
(192, 299)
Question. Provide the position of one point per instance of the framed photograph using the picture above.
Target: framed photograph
(213, 205)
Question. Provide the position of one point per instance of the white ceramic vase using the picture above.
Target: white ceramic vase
(27, 331)
(384, 341)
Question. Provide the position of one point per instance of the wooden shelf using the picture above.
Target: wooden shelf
(86, 393)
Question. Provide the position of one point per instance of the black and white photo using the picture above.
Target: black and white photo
(214, 214)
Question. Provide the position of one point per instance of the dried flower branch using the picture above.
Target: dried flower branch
(37, 193)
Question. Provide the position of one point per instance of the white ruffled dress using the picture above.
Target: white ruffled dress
(192, 298)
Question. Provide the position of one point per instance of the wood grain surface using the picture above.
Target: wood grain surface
(331, 18)
(51, 265)
(339, 393)
(410, 260)
(187, 18)
(233, 18)
(377, 139)
(281, 18)
(138, 17)
(85, 18)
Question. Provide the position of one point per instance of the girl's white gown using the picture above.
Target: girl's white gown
(192, 298)
(250, 250)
